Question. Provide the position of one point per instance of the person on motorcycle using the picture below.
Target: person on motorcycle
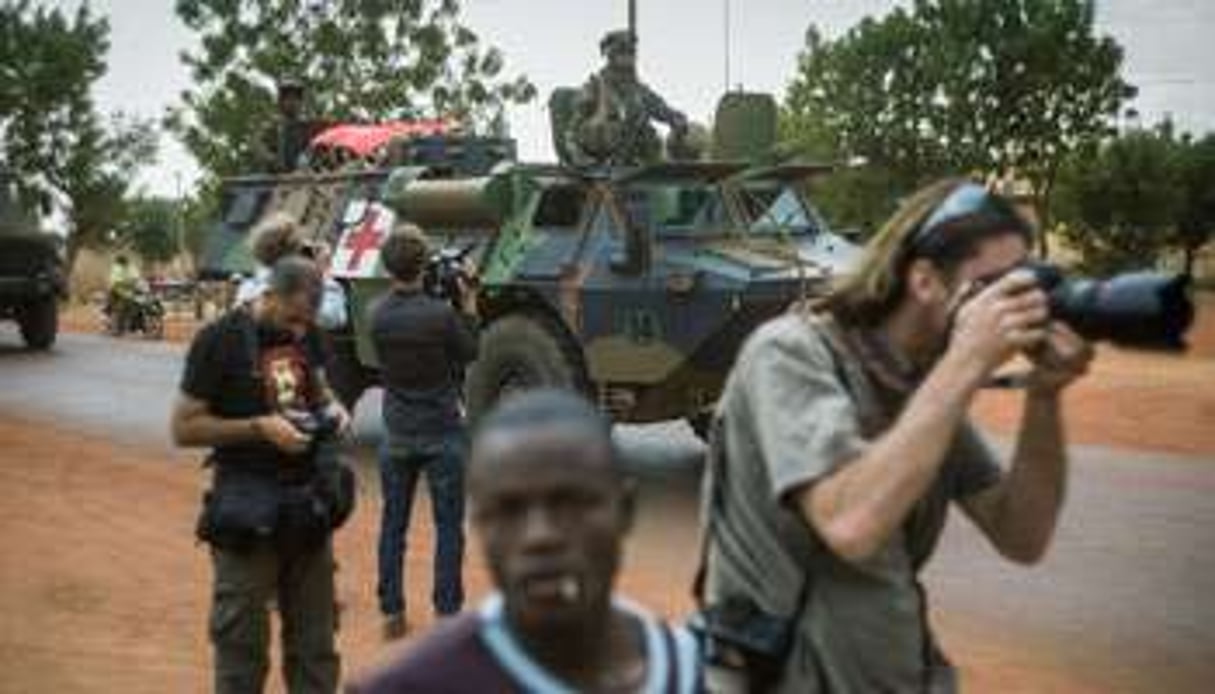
(124, 278)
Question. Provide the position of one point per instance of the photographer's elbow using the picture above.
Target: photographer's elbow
(849, 540)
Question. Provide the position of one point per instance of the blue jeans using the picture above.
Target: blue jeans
(442, 461)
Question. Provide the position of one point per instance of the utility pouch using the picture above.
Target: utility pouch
(304, 519)
(239, 511)
(334, 484)
(735, 634)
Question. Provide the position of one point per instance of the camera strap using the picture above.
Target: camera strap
(249, 340)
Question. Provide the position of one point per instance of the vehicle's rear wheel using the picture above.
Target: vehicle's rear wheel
(521, 352)
(39, 323)
(347, 375)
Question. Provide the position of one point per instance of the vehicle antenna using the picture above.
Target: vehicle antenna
(726, 36)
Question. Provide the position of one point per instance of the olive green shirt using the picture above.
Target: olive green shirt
(800, 404)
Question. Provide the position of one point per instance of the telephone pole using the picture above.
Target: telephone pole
(633, 18)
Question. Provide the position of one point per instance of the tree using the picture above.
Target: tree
(1196, 216)
(1120, 200)
(360, 60)
(988, 87)
(152, 228)
(55, 142)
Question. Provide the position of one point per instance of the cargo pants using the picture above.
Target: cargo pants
(301, 584)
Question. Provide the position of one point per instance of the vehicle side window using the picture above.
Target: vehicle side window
(244, 206)
(560, 206)
(678, 209)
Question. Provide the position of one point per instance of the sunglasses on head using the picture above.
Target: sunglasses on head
(970, 206)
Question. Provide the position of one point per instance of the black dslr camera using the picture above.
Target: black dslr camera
(445, 273)
(1143, 310)
(317, 424)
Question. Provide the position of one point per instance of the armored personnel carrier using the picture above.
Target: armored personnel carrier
(31, 272)
(634, 285)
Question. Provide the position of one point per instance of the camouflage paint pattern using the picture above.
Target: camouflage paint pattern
(656, 274)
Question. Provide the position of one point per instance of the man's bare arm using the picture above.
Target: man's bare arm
(1018, 515)
(193, 425)
(858, 507)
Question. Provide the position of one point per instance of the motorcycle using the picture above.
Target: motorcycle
(135, 310)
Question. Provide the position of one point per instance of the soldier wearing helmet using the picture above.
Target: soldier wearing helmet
(611, 124)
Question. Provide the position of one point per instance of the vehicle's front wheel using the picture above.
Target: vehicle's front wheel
(522, 352)
(40, 323)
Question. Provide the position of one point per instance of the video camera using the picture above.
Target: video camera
(445, 273)
(1143, 310)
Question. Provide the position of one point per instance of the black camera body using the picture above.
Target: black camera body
(1143, 310)
(317, 424)
(445, 275)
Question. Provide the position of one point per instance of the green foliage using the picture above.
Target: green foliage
(54, 141)
(1119, 201)
(958, 86)
(198, 214)
(362, 60)
(1196, 214)
(152, 228)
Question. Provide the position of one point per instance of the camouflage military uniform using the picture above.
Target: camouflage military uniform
(613, 110)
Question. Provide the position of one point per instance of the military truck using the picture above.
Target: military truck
(635, 286)
(31, 272)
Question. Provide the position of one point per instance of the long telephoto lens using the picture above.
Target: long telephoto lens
(1143, 310)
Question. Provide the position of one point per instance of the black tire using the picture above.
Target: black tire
(521, 352)
(40, 324)
(347, 376)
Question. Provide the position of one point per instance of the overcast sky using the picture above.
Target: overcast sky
(1170, 54)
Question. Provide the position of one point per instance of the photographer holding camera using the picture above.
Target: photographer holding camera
(423, 344)
(842, 436)
(255, 392)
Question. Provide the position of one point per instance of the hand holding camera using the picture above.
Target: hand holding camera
(283, 433)
(1008, 316)
(1059, 360)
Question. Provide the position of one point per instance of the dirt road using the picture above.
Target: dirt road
(102, 589)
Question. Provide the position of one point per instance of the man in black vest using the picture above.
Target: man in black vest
(254, 392)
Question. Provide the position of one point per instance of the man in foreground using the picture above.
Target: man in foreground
(552, 506)
(842, 437)
(424, 345)
(254, 392)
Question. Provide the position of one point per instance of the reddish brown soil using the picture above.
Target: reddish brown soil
(103, 590)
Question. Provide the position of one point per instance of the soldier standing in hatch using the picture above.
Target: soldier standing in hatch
(287, 140)
(611, 123)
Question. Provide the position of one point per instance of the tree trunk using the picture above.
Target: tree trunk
(1042, 195)
(70, 254)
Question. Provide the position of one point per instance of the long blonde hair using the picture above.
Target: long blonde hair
(868, 295)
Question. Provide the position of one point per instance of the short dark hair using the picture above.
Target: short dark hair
(295, 275)
(547, 409)
(405, 252)
(275, 237)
